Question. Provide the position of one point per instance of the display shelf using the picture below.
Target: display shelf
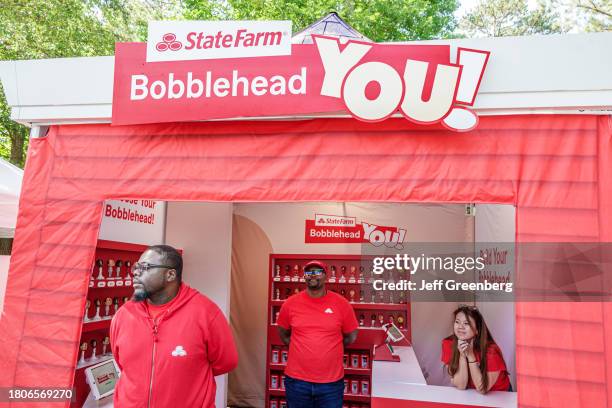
(112, 262)
(357, 371)
(95, 325)
(379, 329)
(277, 366)
(379, 306)
(276, 392)
(99, 285)
(357, 398)
(96, 361)
(361, 305)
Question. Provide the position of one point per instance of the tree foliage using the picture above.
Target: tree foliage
(381, 20)
(31, 29)
(597, 13)
(499, 18)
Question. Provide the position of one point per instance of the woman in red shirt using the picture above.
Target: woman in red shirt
(470, 355)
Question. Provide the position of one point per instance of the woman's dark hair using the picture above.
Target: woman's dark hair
(482, 340)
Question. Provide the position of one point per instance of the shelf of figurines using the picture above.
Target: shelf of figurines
(361, 306)
(99, 312)
(354, 294)
(372, 309)
(375, 328)
(110, 274)
(342, 275)
(93, 350)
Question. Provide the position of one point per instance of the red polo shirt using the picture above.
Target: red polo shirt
(317, 326)
(495, 362)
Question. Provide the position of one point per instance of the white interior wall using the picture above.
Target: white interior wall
(497, 223)
(204, 232)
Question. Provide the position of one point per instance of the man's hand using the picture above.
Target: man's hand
(349, 338)
(285, 335)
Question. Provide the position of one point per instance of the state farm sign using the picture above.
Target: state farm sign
(338, 229)
(370, 81)
(197, 40)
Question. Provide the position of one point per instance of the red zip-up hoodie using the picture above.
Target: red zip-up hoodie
(172, 363)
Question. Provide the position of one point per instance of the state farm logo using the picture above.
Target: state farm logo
(203, 41)
(168, 42)
(198, 40)
(240, 39)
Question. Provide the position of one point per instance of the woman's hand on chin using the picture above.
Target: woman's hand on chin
(463, 347)
(470, 350)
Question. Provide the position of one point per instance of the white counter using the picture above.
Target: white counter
(407, 370)
(405, 381)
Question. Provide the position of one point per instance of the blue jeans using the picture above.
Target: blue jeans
(304, 394)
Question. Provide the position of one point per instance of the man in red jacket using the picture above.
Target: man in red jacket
(170, 341)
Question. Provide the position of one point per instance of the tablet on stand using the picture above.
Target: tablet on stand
(102, 379)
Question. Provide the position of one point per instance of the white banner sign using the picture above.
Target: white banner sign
(197, 40)
(134, 221)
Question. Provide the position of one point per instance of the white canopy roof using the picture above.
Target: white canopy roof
(563, 73)
(10, 188)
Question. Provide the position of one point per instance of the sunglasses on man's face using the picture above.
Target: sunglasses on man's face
(314, 272)
(144, 267)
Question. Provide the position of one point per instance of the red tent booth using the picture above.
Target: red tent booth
(547, 151)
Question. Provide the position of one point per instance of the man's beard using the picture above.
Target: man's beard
(314, 285)
(140, 295)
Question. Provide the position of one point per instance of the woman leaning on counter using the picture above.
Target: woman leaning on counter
(470, 355)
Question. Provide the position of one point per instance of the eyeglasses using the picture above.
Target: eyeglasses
(144, 267)
(315, 272)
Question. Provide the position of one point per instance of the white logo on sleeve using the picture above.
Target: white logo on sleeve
(329, 311)
(179, 351)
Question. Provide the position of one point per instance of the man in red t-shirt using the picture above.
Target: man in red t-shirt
(317, 325)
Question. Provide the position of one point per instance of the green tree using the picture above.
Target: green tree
(13, 136)
(498, 18)
(597, 13)
(379, 20)
(31, 29)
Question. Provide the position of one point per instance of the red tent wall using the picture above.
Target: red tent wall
(557, 170)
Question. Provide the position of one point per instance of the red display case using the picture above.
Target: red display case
(111, 278)
(352, 277)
